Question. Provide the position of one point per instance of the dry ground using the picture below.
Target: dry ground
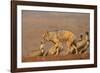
(55, 58)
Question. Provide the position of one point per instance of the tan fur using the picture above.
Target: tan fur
(57, 37)
(52, 51)
(82, 45)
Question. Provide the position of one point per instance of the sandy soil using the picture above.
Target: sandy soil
(35, 23)
(55, 58)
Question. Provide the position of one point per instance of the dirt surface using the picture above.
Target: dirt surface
(55, 58)
(35, 23)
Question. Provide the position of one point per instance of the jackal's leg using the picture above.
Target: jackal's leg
(57, 51)
(76, 50)
(58, 46)
(84, 48)
(68, 47)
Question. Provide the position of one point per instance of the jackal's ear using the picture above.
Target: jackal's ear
(45, 33)
(81, 35)
(87, 33)
(42, 41)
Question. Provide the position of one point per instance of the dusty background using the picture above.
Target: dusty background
(35, 23)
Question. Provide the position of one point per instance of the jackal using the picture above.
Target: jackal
(57, 37)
